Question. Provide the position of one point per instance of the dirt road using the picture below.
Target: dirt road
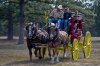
(12, 54)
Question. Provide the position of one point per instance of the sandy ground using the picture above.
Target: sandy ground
(12, 54)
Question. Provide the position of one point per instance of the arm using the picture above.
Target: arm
(52, 13)
(62, 14)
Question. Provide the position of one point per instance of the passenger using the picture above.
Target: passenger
(71, 24)
(74, 33)
(76, 27)
(66, 17)
(78, 19)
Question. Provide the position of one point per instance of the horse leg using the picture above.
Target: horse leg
(30, 53)
(64, 54)
(44, 50)
(65, 46)
(57, 54)
(40, 55)
(53, 56)
(49, 51)
(35, 51)
(29, 48)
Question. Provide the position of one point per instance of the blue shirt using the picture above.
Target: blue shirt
(67, 15)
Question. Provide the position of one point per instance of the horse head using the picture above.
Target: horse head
(53, 32)
(31, 30)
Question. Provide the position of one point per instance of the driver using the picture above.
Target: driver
(56, 16)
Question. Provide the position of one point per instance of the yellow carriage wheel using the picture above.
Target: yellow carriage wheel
(75, 50)
(87, 45)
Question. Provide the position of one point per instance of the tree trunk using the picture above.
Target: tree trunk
(0, 29)
(10, 25)
(21, 27)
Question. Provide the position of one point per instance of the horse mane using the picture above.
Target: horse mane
(63, 33)
(56, 29)
(27, 27)
(48, 29)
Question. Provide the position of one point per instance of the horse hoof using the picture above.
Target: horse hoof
(65, 55)
(52, 61)
(40, 58)
(57, 60)
(35, 54)
(30, 60)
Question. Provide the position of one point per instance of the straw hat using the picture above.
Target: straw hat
(60, 7)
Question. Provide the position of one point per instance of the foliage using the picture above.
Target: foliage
(35, 10)
(97, 18)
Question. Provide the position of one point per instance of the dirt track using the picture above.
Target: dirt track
(12, 54)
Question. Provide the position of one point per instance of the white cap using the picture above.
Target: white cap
(52, 24)
(52, 5)
(60, 6)
(30, 23)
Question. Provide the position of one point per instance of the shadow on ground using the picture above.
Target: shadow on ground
(37, 62)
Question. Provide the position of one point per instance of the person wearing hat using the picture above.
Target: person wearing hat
(56, 16)
(67, 15)
(78, 20)
(76, 27)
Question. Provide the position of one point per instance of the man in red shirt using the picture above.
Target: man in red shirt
(75, 27)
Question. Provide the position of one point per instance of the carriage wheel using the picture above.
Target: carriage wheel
(75, 50)
(87, 45)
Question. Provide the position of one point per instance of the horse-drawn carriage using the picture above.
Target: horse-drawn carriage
(84, 43)
(45, 40)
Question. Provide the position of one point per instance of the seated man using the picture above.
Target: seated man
(78, 19)
(66, 17)
(74, 33)
(71, 24)
(56, 17)
(76, 27)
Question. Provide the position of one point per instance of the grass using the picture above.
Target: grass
(17, 55)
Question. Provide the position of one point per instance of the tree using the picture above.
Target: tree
(35, 13)
(10, 24)
(10, 21)
(21, 19)
(97, 18)
(7, 13)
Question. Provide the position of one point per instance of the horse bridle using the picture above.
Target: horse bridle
(56, 36)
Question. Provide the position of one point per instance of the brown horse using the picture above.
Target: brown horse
(56, 39)
(35, 37)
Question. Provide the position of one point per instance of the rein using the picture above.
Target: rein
(56, 37)
(34, 35)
